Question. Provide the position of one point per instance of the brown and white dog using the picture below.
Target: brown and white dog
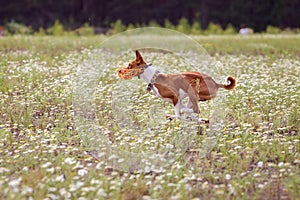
(175, 87)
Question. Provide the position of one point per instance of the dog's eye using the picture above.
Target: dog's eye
(130, 65)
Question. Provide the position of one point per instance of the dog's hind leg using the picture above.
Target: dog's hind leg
(192, 117)
(193, 100)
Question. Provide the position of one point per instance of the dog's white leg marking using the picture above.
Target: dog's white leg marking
(189, 104)
(186, 110)
(177, 110)
(183, 108)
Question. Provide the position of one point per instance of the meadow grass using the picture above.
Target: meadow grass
(257, 156)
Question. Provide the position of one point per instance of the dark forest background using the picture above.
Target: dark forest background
(257, 14)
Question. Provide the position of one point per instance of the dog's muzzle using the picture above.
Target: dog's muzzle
(127, 74)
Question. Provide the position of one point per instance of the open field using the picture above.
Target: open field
(256, 156)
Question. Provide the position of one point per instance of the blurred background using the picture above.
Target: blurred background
(189, 16)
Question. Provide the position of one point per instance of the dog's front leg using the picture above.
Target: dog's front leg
(177, 108)
(180, 109)
(188, 108)
(189, 104)
(184, 109)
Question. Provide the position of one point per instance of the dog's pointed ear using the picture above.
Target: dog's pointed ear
(139, 57)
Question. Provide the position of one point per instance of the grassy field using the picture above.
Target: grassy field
(256, 156)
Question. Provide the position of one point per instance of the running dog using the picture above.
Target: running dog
(175, 87)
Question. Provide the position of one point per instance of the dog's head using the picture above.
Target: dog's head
(134, 68)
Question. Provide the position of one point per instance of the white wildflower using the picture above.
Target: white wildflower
(52, 189)
(51, 170)
(112, 157)
(297, 161)
(25, 169)
(88, 189)
(281, 164)
(101, 192)
(15, 182)
(60, 178)
(53, 196)
(237, 147)
(227, 177)
(97, 182)
(63, 192)
(82, 198)
(46, 165)
(3, 170)
(76, 186)
(146, 197)
(70, 161)
(78, 166)
(260, 164)
(260, 185)
(231, 189)
(82, 172)
(26, 190)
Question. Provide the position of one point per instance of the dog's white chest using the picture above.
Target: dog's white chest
(156, 91)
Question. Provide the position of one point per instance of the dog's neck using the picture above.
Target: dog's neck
(148, 74)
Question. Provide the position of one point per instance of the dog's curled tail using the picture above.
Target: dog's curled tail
(230, 83)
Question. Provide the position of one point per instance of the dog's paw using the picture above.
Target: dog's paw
(190, 118)
(194, 118)
(203, 121)
(186, 110)
(170, 117)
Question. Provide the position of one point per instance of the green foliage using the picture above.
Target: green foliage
(213, 29)
(273, 30)
(17, 28)
(86, 30)
(196, 28)
(168, 24)
(118, 27)
(40, 32)
(137, 25)
(183, 26)
(153, 23)
(130, 26)
(283, 13)
(57, 29)
(230, 30)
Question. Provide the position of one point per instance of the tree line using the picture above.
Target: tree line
(256, 14)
